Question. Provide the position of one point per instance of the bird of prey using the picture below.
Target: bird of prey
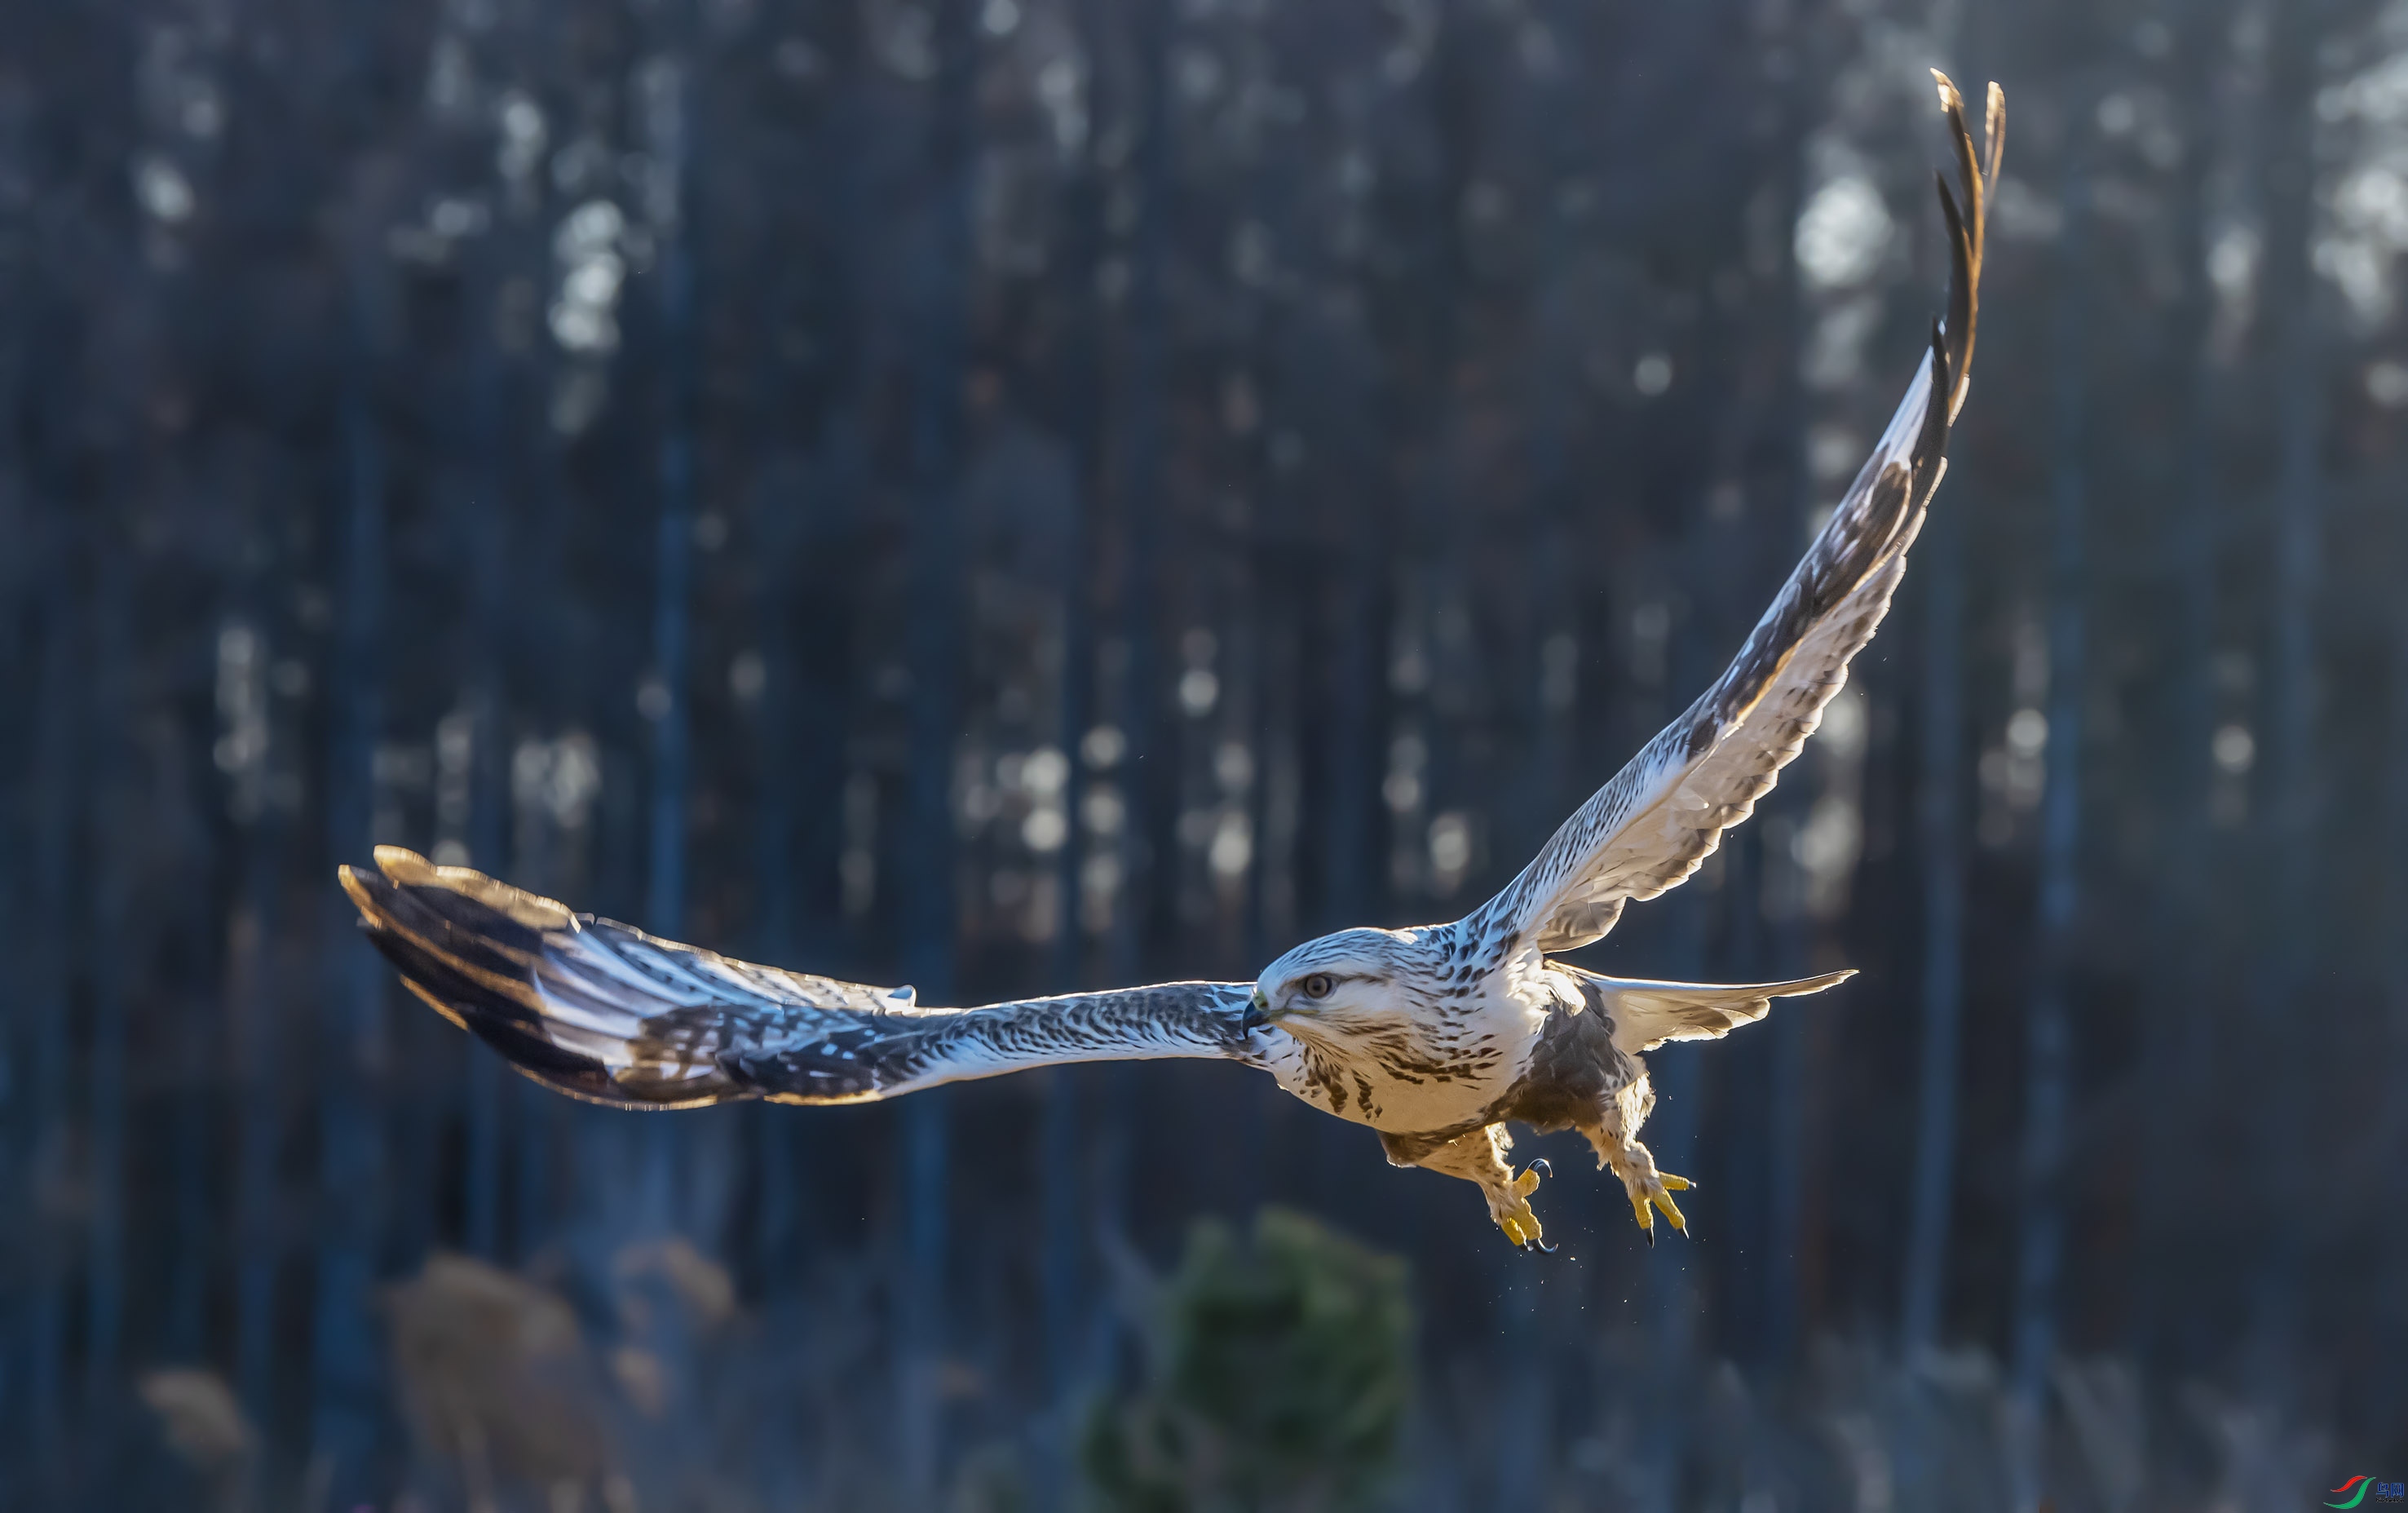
(1435, 1037)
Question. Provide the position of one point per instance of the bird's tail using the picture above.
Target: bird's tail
(1646, 1013)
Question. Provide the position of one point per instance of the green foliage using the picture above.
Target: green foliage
(1279, 1374)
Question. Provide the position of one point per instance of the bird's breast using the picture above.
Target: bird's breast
(1428, 1076)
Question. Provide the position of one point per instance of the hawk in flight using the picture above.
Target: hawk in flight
(1435, 1037)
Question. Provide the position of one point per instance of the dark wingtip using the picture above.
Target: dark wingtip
(1966, 209)
(1931, 444)
(365, 888)
(1948, 210)
(467, 947)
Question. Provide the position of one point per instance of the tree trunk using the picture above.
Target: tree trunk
(928, 909)
(1065, 1238)
(1776, 463)
(2394, 966)
(347, 1371)
(2291, 809)
(1149, 772)
(1148, 871)
(484, 523)
(2179, 1026)
(2048, 1071)
(1940, 827)
(1941, 560)
(112, 936)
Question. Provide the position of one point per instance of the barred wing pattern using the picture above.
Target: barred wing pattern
(606, 1012)
(1658, 818)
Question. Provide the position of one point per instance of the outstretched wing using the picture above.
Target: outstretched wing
(608, 1014)
(1664, 812)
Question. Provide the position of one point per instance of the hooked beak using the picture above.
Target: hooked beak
(1258, 1014)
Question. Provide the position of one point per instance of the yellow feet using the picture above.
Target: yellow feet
(1649, 1189)
(1510, 1205)
(1652, 1190)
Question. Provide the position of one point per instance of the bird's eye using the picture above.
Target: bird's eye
(1316, 985)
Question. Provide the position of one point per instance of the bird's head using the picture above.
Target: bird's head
(1341, 986)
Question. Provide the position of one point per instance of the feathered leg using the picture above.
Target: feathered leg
(1614, 1133)
(1480, 1157)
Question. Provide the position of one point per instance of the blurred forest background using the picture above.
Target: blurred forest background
(1008, 495)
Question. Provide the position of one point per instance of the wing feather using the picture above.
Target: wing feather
(1658, 818)
(1647, 1014)
(604, 1011)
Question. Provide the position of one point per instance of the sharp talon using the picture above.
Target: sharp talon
(1542, 1167)
(1544, 1248)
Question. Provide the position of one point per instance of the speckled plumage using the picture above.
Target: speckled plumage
(1435, 1037)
